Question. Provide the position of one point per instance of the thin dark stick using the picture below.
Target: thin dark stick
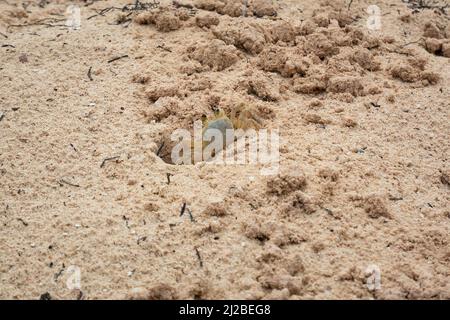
(412, 42)
(2, 34)
(89, 74)
(399, 52)
(7, 45)
(199, 257)
(23, 222)
(139, 6)
(160, 149)
(183, 208)
(62, 181)
(168, 177)
(118, 58)
(73, 147)
(59, 273)
(34, 24)
(40, 23)
(108, 159)
(2, 115)
(164, 48)
(103, 12)
(190, 215)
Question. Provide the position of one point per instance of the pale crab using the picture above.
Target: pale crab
(242, 117)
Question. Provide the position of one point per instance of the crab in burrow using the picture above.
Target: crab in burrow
(243, 117)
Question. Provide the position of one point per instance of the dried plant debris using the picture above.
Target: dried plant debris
(440, 5)
(238, 8)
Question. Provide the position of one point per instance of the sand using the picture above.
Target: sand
(363, 116)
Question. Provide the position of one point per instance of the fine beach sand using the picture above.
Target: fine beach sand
(364, 177)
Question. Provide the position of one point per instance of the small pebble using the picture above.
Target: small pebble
(23, 58)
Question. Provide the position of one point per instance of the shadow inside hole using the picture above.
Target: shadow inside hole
(164, 150)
